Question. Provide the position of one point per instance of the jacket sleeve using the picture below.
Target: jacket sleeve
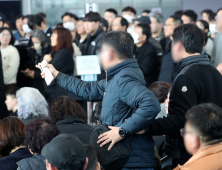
(180, 103)
(136, 95)
(89, 91)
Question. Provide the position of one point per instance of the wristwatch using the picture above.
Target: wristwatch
(122, 132)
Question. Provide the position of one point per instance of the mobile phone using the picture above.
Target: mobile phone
(48, 75)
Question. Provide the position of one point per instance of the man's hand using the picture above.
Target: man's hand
(51, 68)
(110, 136)
(31, 74)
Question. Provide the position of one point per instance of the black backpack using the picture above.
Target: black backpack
(115, 158)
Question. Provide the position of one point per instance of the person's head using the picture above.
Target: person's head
(104, 24)
(43, 15)
(145, 12)
(6, 36)
(188, 39)
(31, 103)
(129, 13)
(25, 26)
(205, 14)
(170, 24)
(38, 133)
(69, 21)
(92, 22)
(219, 20)
(203, 25)
(35, 22)
(141, 34)
(40, 40)
(65, 106)
(80, 26)
(189, 16)
(156, 22)
(96, 114)
(7, 24)
(203, 127)
(142, 19)
(117, 46)
(18, 23)
(59, 25)
(65, 151)
(61, 38)
(40, 22)
(109, 15)
(11, 134)
(11, 101)
(120, 24)
(2, 19)
(167, 100)
(178, 13)
(93, 163)
(160, 90)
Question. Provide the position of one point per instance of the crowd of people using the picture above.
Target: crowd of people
(158, 98)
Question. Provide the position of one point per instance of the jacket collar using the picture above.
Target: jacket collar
(70, 120)
(144, 46)
(132, 63)
(98, 31)
(196, 59)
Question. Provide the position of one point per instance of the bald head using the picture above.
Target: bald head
(119, 24)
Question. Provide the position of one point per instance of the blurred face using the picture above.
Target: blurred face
(219, 21)
(91, 27)
(35, 40)
(67, 18)
(145, 14)
(136, 23)
(54, 38)
(169, 27)
(129, 13)
(1, 24)
(138, 31)
(167, 103)
(201, 26)
(117, 25)
(109, 16)
(5, 37)
(10, 102)
(155, 26)
(185, 19)
(6, 25)
(191, 139)
(80, 27)
(205, 17)
(25, 21)
(177, 51)
(18, 24)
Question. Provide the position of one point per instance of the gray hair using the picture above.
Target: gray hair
(31, 103)
(158, 16)
(45, 41)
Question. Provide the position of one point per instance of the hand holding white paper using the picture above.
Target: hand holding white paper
(48, 75)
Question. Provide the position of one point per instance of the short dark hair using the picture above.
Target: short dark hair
(176, 19)
(160, 90)
(219, 10)
(42, 15)
(179, 13)
(145, 29)
(64, 106)
(212, 17)
(146, 11)
(122, 42)
(112, 11)
(18, 17)
(71, 15)
(205, 24)
(123, 22)
(93, 17)
(26, 16)
(34, 21)
(12, 41)
(40, 132)
(11, 134)
(12, 91)
(207, 120)
(191, 37)
(96, 114)
(60, 24)
(104, 23)
(207, 11)
(129, 8)
(191, 14)
(92, 158)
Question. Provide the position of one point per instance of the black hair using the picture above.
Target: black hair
(26, 16)
(191, 14)
(123, 22)
(129, 8)
(34, 20)
(112, 11)
(92, 158)
(176, 19)
(146, 11)
(212, 17)
(191, 37)
(145, 29)
(104, 23)
(93, 17)
(96, 114)
(179, 13)
(12, 91)
(207, 11)
(122, 42)
(81, 19)
(71, 15)
(207, 120)
(12, 41)
(18, 17)
(42, 15)
(219, 10)
(205, 24)
(60, 24)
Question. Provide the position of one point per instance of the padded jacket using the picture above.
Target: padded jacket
(127, 102)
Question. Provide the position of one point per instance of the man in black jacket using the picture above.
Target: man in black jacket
(197, 82)
(145, 53)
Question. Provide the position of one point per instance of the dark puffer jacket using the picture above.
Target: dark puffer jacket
(124, 96)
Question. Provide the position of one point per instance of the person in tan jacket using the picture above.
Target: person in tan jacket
(203, 138)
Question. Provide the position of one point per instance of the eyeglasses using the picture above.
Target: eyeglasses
(183, 132)
(6, 35)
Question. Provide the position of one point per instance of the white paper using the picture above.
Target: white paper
(87, 64)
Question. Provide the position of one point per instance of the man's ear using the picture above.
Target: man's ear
(15, 101)
(85, 166)
(124, 27)
(98, 23)
(98, 166)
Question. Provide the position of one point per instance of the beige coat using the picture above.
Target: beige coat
(10, 64)
(208, 158)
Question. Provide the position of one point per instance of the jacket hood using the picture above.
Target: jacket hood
(70, 120)
(132, 63)
(196, 59)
